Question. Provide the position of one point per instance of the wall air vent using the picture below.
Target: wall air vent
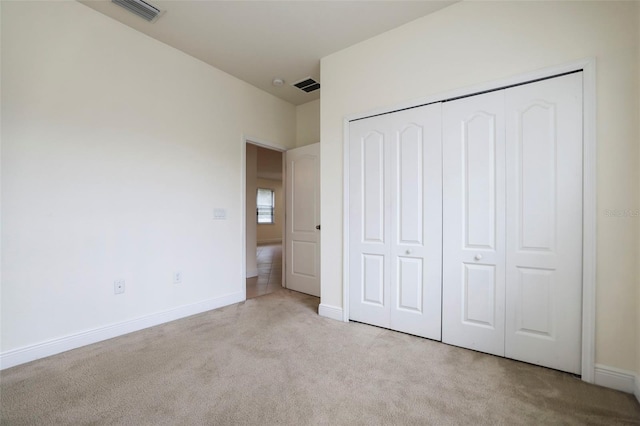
(140, 8)
(307, 84)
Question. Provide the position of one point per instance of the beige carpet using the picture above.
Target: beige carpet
(273, 360)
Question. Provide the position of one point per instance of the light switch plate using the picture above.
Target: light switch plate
(220, 214)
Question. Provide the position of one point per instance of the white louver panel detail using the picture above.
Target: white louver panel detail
(140, 8)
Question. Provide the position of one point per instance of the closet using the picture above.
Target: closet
(465, 221)
(395, 215)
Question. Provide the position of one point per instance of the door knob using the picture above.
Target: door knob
(407, 251)
(318, 227)
(478, 256)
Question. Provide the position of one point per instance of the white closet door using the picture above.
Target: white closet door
(544, 222)
(416, 218)
(473, 303)
(395, 221)
(369, 231)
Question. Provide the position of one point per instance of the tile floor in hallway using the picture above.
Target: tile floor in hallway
(269, 271)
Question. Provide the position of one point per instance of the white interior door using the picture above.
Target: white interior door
(544, 223)
(302, 234)
(395, 215)
(473, 293)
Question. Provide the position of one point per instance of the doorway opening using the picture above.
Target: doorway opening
(269, 278)
(265, 206)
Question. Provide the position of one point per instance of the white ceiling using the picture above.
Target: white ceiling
(257, 41)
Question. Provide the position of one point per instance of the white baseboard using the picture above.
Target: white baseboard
(252, 273)
(615, 378)
(329, 311)
(637, 390)
(40, 350)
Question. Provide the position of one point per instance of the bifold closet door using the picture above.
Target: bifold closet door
(544, 223)
(512, 230)
(473, 294)
(395, 221)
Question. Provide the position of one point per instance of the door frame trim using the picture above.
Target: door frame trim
(243, 201)
(589, 225)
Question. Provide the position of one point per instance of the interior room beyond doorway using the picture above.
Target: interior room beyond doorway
(269, 278)
(265, 220)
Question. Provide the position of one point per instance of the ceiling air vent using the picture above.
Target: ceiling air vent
(140, 8)
(308, 85)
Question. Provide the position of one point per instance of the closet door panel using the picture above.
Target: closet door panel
(369, 272)
(395, 214)
(372, 187)
(410, 182)
(479, 180)
(416, 218)
(474, 223)
(544, 225)
(372, 280)
(479, 295)
(409, 278)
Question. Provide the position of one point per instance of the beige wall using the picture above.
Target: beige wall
(638, 286)
(308, 123)
(270, 164)
(474, 42)
(271, 233)
(116, 149)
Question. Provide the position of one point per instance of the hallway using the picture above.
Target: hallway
(269, 277)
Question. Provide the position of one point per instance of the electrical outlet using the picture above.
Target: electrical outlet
(177, 277)
(118, 287)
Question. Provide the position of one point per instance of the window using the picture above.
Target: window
(266, 205)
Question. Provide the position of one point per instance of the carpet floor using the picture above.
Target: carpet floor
(273, 360)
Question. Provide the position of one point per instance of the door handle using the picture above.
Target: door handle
(408, 251)
(318, 227)
(478, 256)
